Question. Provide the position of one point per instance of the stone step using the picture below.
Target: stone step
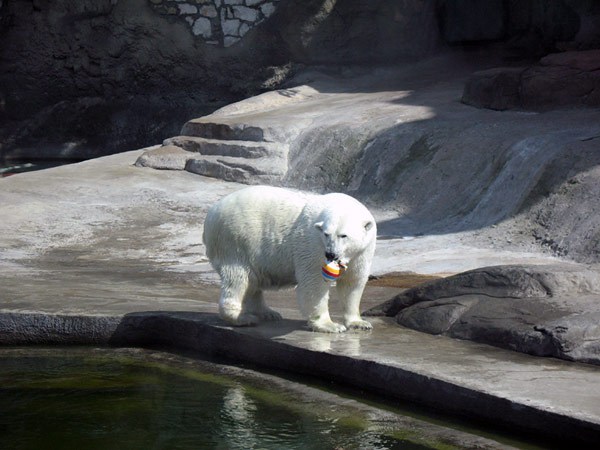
(243, 149)
(226, 131)
(168, 157)
(240, 170)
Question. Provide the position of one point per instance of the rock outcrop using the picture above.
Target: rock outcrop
(540, 310)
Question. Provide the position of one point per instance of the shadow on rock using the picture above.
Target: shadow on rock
(202, 332)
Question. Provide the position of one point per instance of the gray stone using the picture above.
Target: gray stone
(208, 11)
(267, 9)
(230, 27)
(540, 310)
(238, 148)
(206, 128)
(202, 26)
(228, 41)
(245, 13)
(239, 170)
(165, 157)
(244, 28)
(186, 8)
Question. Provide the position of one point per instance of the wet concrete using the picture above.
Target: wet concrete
(104, 253)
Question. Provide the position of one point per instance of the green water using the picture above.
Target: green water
(91, 400)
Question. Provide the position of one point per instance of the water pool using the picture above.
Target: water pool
(134, 399)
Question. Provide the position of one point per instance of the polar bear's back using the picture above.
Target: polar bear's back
(253, 227)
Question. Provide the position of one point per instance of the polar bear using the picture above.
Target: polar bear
(264, 237)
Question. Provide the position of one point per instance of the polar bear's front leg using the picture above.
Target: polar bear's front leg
(313, 299)
(350, 293)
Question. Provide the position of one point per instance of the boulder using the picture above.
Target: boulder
(496, 88)
(550, 310)
(568, 79)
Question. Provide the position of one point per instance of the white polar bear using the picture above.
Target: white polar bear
(265, 237)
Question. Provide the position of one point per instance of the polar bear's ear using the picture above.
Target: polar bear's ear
(319, 226)
(368, 225)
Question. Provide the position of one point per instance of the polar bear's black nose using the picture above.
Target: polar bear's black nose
(330, 256)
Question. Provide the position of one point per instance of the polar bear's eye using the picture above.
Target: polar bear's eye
(343, 236)
(327, 234)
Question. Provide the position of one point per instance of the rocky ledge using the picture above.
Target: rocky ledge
(548, 310)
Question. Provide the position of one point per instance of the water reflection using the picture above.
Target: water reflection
(238, 421)
(346, 343)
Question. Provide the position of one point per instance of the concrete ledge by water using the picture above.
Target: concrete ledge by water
(556, 399)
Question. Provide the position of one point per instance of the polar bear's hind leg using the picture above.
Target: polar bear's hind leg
(254, 303)
(235, 286)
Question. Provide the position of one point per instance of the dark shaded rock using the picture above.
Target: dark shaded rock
(355, 31)
(559, 80)
(567, 79)
(494, 88)
(525, 28)
(540, 310)
(538, 27)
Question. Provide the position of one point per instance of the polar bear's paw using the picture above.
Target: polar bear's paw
(240, 319)
(359, 324)
(270, 315)
(247, 319)
(327, 327)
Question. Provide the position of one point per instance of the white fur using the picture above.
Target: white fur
(264, 237)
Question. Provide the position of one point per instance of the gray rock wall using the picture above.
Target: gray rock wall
(91, 77)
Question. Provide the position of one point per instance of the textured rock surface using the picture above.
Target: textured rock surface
(540, 310)
(119, 75)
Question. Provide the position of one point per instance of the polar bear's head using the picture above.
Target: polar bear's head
(345, 233)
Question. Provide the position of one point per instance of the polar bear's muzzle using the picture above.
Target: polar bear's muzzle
(330, 256)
